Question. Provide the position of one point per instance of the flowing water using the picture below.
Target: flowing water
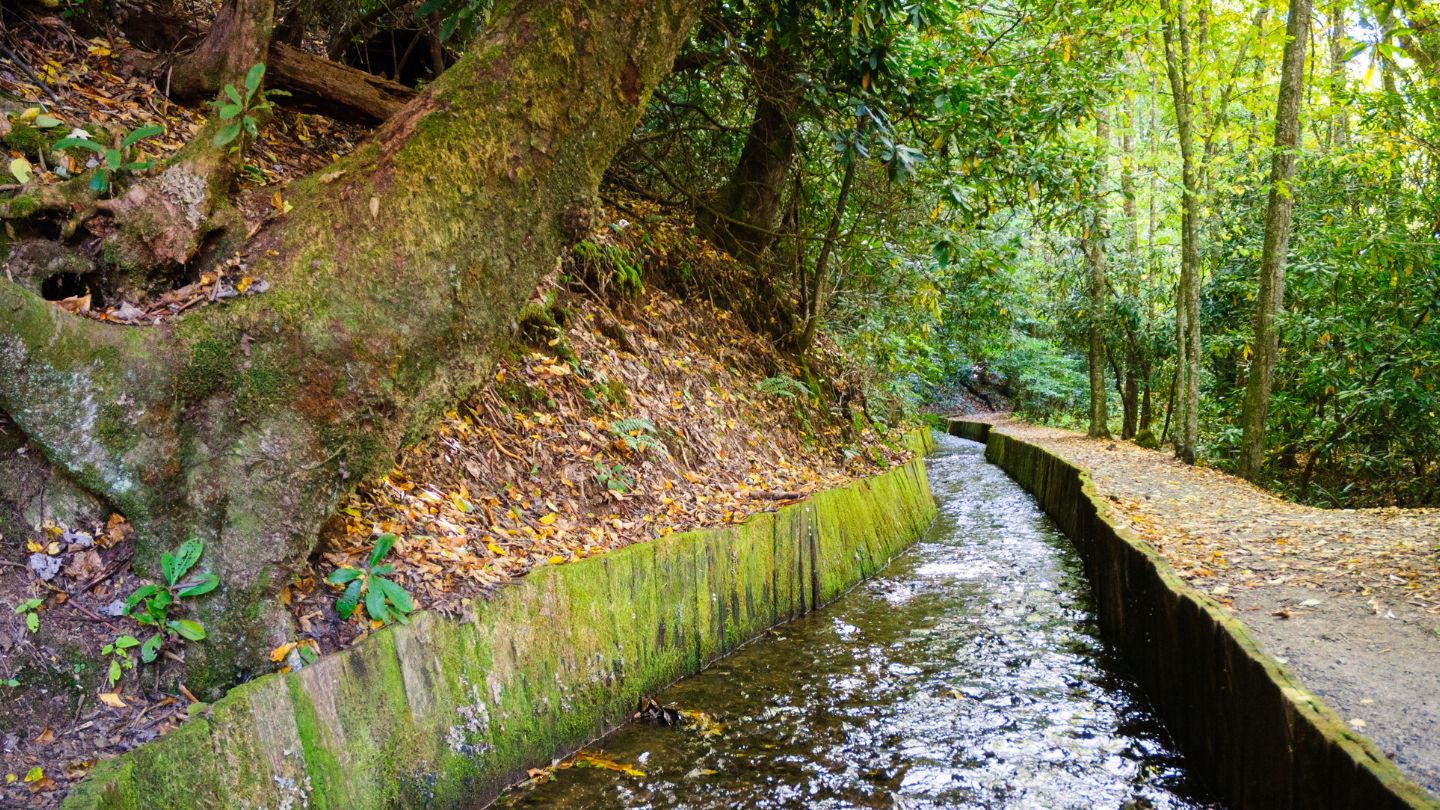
(969, 673)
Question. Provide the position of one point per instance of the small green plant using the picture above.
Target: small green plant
(120, 661)
(611, 264)
(150, 604)
(637, 434)
(13, 683)
(114, 159)
(30, 609)
(385, 599)
(239, 111)
(783, 386)
(613, 478)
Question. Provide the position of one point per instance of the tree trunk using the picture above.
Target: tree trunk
(747, 208)
(1094, 247)
(1187, 305)
(1278, 211)
(1130, 389)
(391, 283)
(319, 85)
(239, 38)
(820, 290)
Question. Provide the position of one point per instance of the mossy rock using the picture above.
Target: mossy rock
(1146, 439)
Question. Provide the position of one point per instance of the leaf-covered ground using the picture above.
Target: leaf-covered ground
(626, 416)
(619, 415)
(1349, 598)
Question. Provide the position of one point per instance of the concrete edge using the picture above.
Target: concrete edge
(1246, 722)
(444, 713)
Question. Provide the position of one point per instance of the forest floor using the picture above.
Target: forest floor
(630, 406)
(1349, 599)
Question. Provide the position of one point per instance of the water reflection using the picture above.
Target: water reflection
(969, 674)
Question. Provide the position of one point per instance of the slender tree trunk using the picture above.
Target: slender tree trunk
(391, 285)
(1177, 67)
(1340, 120)
(1130, 393)
(820, 298)
(1278, 213)
(1093, 243)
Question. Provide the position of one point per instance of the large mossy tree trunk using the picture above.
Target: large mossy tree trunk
(391, 281)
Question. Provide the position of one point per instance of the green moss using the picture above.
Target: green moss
(25, 139)
(22, 206)
(209, 368)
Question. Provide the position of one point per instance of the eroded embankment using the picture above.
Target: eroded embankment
(443, 713)
(1243, 720)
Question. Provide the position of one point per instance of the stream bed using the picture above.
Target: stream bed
(969, 673)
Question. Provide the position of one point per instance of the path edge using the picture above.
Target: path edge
(1245, 722)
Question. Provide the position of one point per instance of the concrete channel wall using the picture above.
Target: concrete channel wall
(1245, 722)
(442, 713)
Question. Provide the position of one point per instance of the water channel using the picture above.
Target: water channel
(970, 674)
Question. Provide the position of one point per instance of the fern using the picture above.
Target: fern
(783, 386)
(638, 435)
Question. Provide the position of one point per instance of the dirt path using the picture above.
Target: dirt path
(1348, 598)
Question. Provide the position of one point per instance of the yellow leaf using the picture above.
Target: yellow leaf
(548, 519)
(556, 560)
(35, 774)
(112, 699)
(279, 653)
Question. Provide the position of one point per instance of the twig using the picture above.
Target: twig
(24, 68)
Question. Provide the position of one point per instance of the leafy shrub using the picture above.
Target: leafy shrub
(385, 599)
(151, 604)
(239, 111)
(114, 160)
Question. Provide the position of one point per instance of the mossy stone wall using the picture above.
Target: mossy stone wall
(1245, 722)
(441, 713)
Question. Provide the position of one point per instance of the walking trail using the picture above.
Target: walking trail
(1349, 599)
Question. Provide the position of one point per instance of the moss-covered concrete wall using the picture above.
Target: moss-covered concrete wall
(1245, 722)
(442, 713)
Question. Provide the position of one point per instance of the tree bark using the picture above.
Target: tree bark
(747, 209)
(820, 289)
(1093, 243)
(319, 85)
(1130, 389)
(391, 282)
(1187, 305)
(1278, 211)
(239, 38)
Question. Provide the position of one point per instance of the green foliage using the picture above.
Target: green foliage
(240, 110)
(118, 651)
(613, 478)
(385, 600)
(638, 435)
(610, 265)
(151, 605)
(114, 161)
(784, 387)
(30, 609)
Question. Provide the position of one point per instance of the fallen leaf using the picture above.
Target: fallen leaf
(112, 699)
